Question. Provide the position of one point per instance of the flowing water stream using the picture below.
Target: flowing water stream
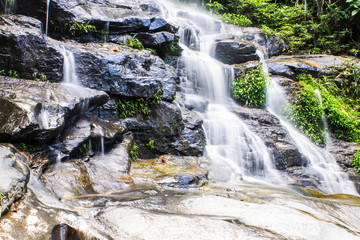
(236, 153)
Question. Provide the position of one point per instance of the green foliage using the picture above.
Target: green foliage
(356, 161)
(150, 144)
(251, 88)
(307, 113)
(25, 147)
(132, 107)
(134, 43)
(84, 148)
(169, 49)
(350, 84)
(134, 154)
(10, 73)
(311, 27)
(40, 77)
(79, 28)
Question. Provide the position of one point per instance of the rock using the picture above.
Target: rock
(38, 111)
(101, 174)
(291, 66)
(120, 70)
(14, 175)
(89, 129)
(275, 46)
(171, 171)
(235, 52)
(64, 231)
(24, 50)
(267, 126)
(155, 39)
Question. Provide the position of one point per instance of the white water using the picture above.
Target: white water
(47, 17)
(9, 6)
(69, 68)
(235, 152)
(322, 165)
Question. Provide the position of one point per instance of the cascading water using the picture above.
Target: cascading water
(47, 17)
(322, 165)
(9, 6)
(235, 152)
(69, 69)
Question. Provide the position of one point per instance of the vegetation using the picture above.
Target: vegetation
(84, 148)
(356, 161)
(150, 144)
(306, 113)
(169, 49)
(10, 73)
(134, 43)
(79, 28)
(40, 77)
(132, 107)
(250, 88)
(306, 26)
(25, 147)
(134, 154)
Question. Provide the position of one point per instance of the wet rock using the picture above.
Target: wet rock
(291, 66)
(101, 174)
(235, 52)
(14, 176)
(275, 137)
(171, 171)
(89, 129)
(120, 70)
(66, 232)
(38, 111)
(275, 46)
(155, 39)
(23, 49)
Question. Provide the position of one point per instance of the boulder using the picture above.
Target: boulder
(155, 39)
(89, 129)
(14, 175)
(38, 111)
(23, 49)
(235, 52)
(121, 70)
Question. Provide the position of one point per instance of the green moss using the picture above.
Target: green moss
(250, 88)
(134, 154)
(356, 161)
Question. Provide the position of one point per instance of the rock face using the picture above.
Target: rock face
(24, 49)
(235, 52)
(38, 111)
(14, 175)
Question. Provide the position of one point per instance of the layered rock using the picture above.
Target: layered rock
(38, 111)
(235, 52)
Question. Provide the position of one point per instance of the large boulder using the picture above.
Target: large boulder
(235, 52)
(23, 49)
(38, 111)
(14, 175)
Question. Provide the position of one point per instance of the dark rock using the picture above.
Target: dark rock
(275, 46)
(235, 52)
(65, 232)
(89, 129)
(24, 50)
(120, 70)
(38, 111)
(14, 175)
(155, 39)
(274, 135)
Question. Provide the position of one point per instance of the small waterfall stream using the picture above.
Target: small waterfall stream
(236, 153)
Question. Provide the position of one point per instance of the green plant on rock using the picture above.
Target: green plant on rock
(307, 113)
(79, 28)
(84, 148)
(40, 77)
(250, 88)
(132, 107)
(25, 147)
(134, 43)
(134, 152)
(150, 144)
(356, 161)
(10, 73)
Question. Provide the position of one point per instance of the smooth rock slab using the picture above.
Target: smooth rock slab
(14, 175)
(31, 110)
(235, 52)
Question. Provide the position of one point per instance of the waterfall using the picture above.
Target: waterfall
(235, 152)
(9, 6)
(322, 165)
(47, 17)
(69, 69)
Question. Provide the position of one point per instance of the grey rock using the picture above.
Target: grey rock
(38, 111)
(235, 52)
(155, 39)
(14, 175)
(23, 48)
